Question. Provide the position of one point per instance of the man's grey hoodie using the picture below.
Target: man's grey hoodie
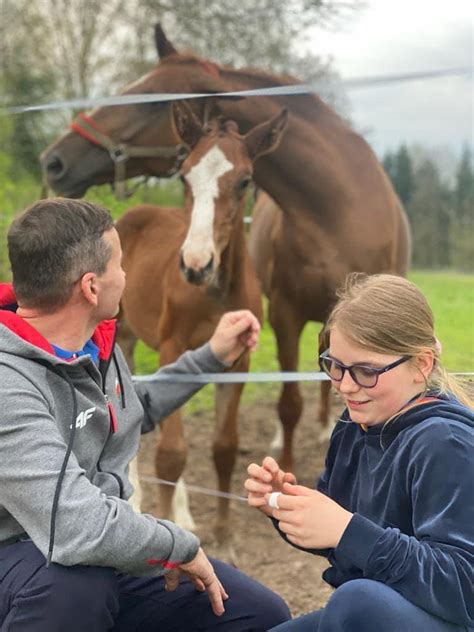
(50, 407)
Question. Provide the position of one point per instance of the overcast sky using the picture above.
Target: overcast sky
(393, 36)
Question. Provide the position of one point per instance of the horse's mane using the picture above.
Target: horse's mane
(263, 77)
(308, 107)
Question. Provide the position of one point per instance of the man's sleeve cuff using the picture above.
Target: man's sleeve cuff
(209, 361)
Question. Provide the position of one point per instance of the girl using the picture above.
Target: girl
(393, 512)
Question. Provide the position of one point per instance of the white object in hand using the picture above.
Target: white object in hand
(273, 500)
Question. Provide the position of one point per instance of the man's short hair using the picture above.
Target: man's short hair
(52, 244)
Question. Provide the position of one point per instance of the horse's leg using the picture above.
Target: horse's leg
(127, 340)
(171, 455)
(170, 459)
(287, 326)
(325, 394)
(227, 398)
(324, 411)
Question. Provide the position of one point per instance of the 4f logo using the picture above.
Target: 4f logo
(83, 417)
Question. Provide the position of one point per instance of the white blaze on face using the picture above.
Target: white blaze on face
(198, 246)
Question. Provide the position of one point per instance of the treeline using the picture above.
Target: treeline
(440, 210)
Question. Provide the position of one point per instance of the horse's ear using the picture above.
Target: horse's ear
(187, 124)
(163, 46)
(266, 137)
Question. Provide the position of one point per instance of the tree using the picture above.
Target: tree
(430, 210)
(403, 179)
(463, 230)
(389, 166)
(464, 188)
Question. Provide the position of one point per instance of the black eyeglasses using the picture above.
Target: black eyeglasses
(365, 376)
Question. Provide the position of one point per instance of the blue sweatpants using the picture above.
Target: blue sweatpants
(34, 598)
(364, 605)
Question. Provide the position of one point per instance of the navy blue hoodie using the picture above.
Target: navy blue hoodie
(410, 486)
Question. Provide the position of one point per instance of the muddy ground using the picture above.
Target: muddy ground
(259, 551)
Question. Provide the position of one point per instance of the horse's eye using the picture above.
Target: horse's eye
(243, 184)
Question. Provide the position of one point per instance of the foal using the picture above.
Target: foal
(185, 269)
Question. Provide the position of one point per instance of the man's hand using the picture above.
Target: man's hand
(310, 519)
(235, 333)
(264, 480)
(202, 575)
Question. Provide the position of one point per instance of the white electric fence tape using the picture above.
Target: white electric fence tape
(129, 99)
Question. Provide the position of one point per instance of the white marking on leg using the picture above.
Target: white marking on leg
(277, 443)
(180, 507)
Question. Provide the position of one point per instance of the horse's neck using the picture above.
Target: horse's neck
(232, 261)
(302, 155)
(309, 108)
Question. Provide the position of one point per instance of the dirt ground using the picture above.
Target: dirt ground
(260, 552)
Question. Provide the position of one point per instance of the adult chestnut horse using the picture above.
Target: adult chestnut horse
(186, 268)
(339, 212)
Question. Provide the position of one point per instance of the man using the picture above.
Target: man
(73, 553)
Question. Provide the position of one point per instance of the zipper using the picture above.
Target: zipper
(103, 369)
(112, 415)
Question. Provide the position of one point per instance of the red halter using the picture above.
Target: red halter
(86, 127)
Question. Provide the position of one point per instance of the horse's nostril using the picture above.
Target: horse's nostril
(208, 267)
(196, 276)
(54, 166)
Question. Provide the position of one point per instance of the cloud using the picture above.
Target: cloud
(393, 37)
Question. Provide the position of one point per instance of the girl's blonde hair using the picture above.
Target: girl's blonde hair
(388, 314)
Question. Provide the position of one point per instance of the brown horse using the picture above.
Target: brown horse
(186, 268)
(339, 212)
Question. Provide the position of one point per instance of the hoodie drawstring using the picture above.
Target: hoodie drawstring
(57, 491)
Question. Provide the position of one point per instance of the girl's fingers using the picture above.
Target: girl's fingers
(256, 502)
(289, 477)
(259, 473)
(256, 487)
(271, 465)
(287, 528)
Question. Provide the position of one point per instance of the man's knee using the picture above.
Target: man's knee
(73, 598)
(250, 600)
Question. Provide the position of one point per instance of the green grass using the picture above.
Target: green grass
(450, 295)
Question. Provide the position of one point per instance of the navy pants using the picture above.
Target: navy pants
(34, 598)
(364, 605)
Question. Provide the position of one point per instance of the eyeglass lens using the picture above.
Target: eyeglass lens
(363, 376)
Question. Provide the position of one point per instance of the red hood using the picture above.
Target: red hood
(7, 295)
(103, 336)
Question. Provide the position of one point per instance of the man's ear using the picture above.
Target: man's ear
(424, 363)
(89, 288)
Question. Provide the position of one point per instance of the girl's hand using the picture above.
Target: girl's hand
(310, 519)
(265, 479)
